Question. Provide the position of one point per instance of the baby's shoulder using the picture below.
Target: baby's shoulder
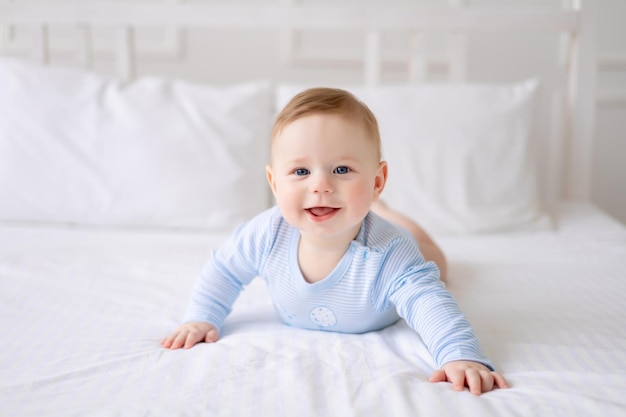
(265, 225)
(381, 235)
(255, 237)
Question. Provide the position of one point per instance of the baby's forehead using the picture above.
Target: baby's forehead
(328, 121)
(311, 120)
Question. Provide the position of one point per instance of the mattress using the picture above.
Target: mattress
(82, 311)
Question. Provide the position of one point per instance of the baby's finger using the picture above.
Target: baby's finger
(193, 337)
(166, 342)
(474, 382)
(179, 340)
(438, 376)
(487, 380)
(499, 380)
(211, 336)
(457, 378)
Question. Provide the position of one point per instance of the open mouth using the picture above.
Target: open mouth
(321, 213)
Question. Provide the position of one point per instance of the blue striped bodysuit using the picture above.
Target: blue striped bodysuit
(381, 278)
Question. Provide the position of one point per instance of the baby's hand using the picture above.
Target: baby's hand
(189, 334)
(476, 376)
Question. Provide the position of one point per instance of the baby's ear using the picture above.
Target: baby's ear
(269, 174)
(381, 179)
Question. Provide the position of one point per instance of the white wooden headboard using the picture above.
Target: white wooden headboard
(566, 152)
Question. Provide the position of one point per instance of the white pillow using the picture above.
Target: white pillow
(79, 148)
(460, 156)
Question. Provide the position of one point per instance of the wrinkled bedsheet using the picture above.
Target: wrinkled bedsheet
(82, 311)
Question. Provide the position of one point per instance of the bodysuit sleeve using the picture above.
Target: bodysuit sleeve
(423, 301)
(233, 265)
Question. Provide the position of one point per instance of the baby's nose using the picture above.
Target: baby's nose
(321, 184)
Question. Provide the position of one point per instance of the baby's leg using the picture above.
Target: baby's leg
(428, 247)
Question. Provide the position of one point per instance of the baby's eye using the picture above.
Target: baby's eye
(342, 170)
(301, 171)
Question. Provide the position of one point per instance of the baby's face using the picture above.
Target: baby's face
(325, 173)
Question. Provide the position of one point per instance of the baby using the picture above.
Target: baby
(329, 261)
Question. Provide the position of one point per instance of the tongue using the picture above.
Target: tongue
(321, 211)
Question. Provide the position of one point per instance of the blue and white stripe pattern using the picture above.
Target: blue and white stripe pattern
(381, 278)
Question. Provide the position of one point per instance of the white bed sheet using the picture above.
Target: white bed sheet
(82, 311)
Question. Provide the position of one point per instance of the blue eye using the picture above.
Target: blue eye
(342, 170)
(301, 171)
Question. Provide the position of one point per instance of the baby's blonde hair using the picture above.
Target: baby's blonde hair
(324, 100)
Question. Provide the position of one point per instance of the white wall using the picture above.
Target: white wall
(609, 169)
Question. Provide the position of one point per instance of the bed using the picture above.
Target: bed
(115, 189)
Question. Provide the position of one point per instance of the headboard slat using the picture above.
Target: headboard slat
(42, 44)
(373, 58)
(125, 52)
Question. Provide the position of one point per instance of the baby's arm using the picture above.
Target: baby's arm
(476, 376)
(234, 264)
(422, 300)
(189, 334)
(203, 310)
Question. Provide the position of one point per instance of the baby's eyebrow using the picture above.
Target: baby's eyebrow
(335, 160)
(349, 158)
(298, 161)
